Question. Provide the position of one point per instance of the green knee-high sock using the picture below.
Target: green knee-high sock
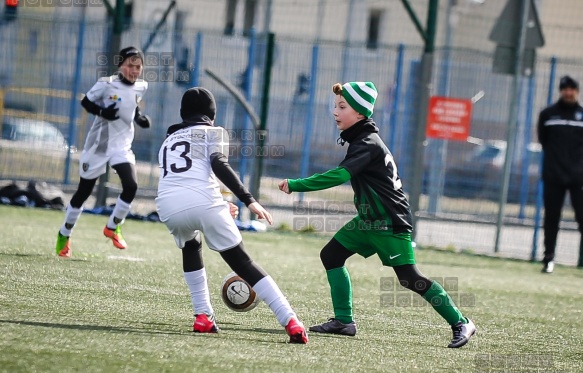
(443, 304)
(341, 292)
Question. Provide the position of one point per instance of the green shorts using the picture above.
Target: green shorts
(393, 249)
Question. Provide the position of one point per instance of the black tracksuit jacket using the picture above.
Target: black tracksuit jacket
(560, 132)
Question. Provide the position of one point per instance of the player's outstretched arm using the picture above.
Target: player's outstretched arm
(261, 212)
(284, 186)
(227, 176)
(326, 180)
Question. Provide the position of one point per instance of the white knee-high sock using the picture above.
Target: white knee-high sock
(268, 291)
(120, 211)
(71, 216)
(199, 293)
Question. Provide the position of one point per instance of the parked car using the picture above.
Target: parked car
(480, 174)
(33, 134)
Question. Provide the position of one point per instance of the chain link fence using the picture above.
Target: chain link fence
(462, 179)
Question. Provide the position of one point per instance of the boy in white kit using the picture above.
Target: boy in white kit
(189, 201)
(114, 102)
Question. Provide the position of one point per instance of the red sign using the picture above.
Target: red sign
(449, 118)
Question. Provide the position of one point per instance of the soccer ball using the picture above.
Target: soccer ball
(237, 294)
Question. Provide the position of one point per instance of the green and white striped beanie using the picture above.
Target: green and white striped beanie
(361, 96)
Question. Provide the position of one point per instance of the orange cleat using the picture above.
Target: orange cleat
(63, 246)
(116, 237)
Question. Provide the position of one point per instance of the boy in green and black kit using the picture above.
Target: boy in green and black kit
(383, 224)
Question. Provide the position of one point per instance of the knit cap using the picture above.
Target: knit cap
(198, 101)
(128, 52)
(361, 96)
(568, 82)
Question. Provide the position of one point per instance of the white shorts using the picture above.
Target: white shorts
(216, 223)
(92, 165)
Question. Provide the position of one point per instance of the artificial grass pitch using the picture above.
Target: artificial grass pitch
(106, 310)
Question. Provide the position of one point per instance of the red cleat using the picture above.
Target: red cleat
(204, 323)
(296, 332)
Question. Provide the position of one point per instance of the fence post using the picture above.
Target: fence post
(197, 59)
(525, 157)
(396, 98)
(438, 147)
(255, 184)
(539, 185)
(114, 45)
(74, 103)
(247, 121)
(305, 164)
(411, 98)
(423, 85)
(512, 121)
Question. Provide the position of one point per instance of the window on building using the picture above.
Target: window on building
(374, 26)
(230, 17)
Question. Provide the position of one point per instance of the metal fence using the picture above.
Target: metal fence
(42, 79)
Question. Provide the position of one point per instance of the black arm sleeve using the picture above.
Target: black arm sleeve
(90, 106)
(227, 176)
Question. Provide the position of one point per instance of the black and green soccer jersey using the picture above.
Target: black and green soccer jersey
(369, 165)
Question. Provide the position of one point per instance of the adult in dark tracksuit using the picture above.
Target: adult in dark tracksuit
(560, 132)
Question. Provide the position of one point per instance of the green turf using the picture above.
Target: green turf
(107, 310)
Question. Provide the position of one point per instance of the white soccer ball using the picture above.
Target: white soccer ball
(237, 294)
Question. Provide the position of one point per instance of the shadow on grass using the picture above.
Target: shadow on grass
(90, 327)
(276, 331)
(244, 329)
(148, 331)
(43, 255)
(81, 258)
(23, 254)
(335, 336)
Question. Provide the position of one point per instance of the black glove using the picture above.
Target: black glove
(141, 120)
(109, 113)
